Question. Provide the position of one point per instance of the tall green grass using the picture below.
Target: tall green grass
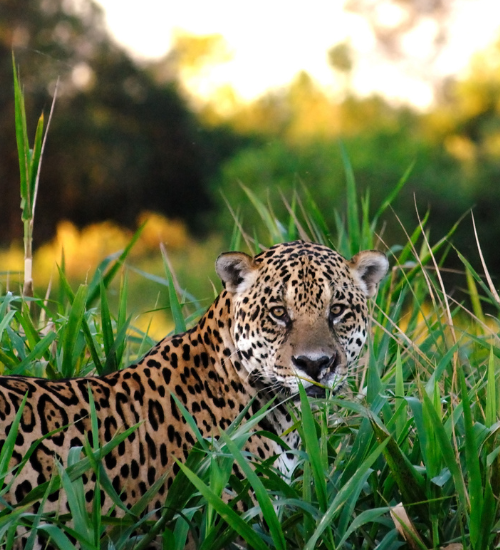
(417, 430)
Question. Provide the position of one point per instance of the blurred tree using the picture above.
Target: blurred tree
(411, 34)
(341, 60)
(379, 155)
(467, 126)
(340, 57)
(193, 53)
(189, 62)
(455, 146)
(120, 140)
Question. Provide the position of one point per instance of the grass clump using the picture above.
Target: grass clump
(407, 457)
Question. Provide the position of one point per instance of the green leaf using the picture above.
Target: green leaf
(107, 327)
(352, 203)
(487, 520)
(400, 415)
(71, 331)
(22, 141)
(122, 320)
(175, 306)
(112, 360)
(76, 502)
(342, 496)
(35, 160)
(310, 441)
(95, 285)
(226, 513)
(37, 353)
(70, 295)
(275, 231)
(491, 398)
(4, 323)
(57, 536)
(410, 482)
(261, 494)
(472, 461)
(447, 452)
(10, 441)
(368, 516)
(393, 194)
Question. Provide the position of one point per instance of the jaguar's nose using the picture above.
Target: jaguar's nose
(314, 367)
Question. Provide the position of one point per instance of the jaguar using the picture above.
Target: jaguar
(294, 314)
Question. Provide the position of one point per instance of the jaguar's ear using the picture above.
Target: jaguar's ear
(237, 271)
(368, 268)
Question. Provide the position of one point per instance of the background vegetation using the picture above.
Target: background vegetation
(409, 457)
(129, 139)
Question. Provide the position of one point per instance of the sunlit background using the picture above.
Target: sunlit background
(268, 43)
(165, 108)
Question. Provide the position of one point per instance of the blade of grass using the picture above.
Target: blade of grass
(106, 326)
(226, 513)
(472, 461)
(410, 482)
(94, 286)
(71, 329)
(260, 491)
(10, 441)
(491, 398)
(175, 306)
(352, 203)
(393, 194)
(269, 221)
(310, 441)
(342, 496)
(448, 454)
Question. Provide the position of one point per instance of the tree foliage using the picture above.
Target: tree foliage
(120, 141)
(126, 138)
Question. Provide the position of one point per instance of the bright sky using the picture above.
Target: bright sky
(272, 40)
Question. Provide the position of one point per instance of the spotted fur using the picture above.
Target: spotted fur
(296, 312)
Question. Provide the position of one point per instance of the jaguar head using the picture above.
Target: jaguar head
(300, 313)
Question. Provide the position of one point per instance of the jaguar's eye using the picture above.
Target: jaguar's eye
(336, 311)
(279, 312)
